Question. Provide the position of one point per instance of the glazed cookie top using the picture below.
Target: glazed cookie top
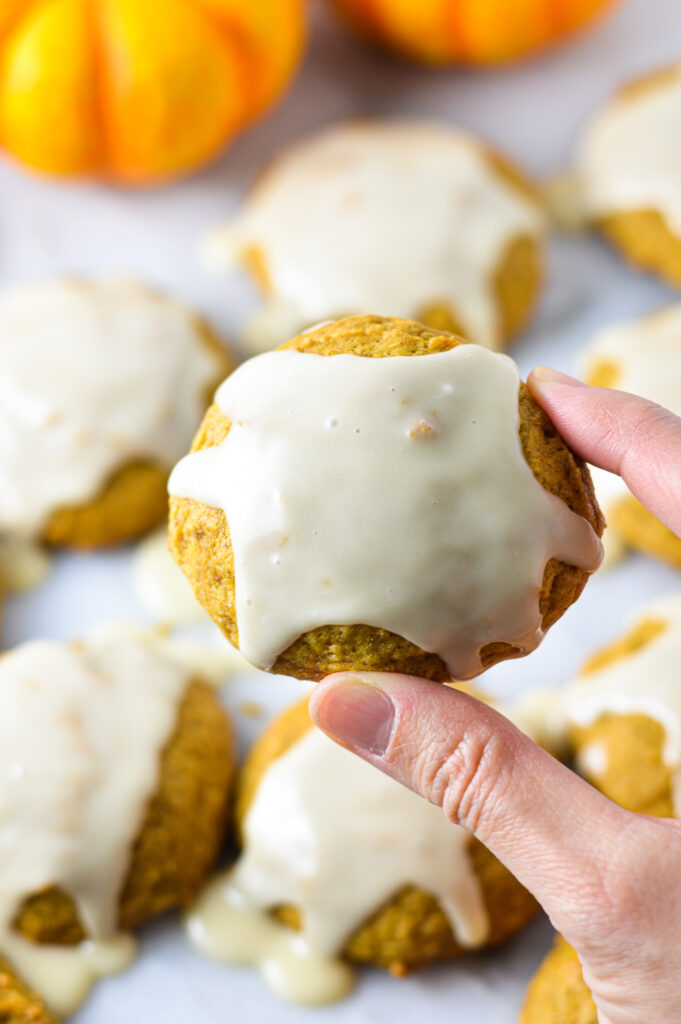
(329, 835)
(630, 156)
(81, 734)
(642, 356)
(93, 376)
(642, 679)
(387, 491)
(383, 217)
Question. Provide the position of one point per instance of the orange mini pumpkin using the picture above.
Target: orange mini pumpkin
(469, 31)
(138, 90)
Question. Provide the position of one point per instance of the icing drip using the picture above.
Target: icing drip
(337, 851)
(630, 157)
(387, 218)
(91, 378)
(391, 492)
(81, 734)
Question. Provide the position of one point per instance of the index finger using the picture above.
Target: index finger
(621, 433)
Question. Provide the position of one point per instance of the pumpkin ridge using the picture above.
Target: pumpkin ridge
(96, 29)
(244, 52)
(22, 9)
(455, 30)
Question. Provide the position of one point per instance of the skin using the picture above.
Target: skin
(608, 878)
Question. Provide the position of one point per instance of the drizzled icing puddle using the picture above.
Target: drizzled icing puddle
(391, 492)
(64, 975)
(224, 926)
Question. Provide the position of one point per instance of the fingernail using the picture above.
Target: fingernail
(545, 375)
(355, 712)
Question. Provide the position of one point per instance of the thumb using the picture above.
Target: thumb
(552, 830)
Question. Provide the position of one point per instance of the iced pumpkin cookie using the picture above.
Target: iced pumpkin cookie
(401, 218)
(118, 768)
(103, 387)
(377, 495)
(622, 720)
(360, 868)
(629, 166)
(643, 357)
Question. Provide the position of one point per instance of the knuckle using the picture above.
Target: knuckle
(469, 780)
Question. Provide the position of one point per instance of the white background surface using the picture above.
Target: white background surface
(534, 112)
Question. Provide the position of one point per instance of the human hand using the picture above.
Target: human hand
(608, 879)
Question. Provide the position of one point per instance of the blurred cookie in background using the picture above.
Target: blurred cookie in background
(103, 386)
(641, 356)
(118, 765)
(400, 218)
(629, 165)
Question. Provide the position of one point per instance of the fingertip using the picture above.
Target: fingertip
(545, 377)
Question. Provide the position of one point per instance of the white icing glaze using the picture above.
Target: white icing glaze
(647, 354)
(81, 733)
(91, 377)
(391, 492)
(386, 218)
(630, 157)
(337, 851)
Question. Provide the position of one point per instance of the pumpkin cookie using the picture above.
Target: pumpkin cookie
(104, 385)
(401, 218)
(128, 787)
(360, 884)
(353, 498)
(630, 169)
(643, 357)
